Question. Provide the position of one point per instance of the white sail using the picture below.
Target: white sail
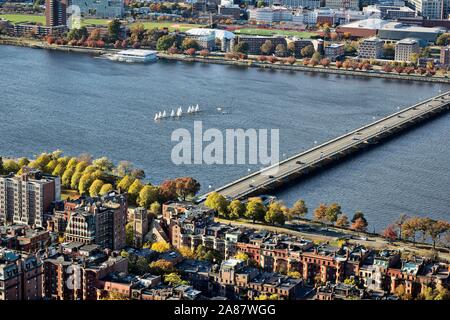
(197, 108)
(156, 117)
(172, 114)
(164, 114)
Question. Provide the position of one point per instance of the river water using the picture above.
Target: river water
(78, 103)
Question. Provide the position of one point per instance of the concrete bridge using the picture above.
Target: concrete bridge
(304, 163)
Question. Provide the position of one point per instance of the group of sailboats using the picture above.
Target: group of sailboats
(176, 114)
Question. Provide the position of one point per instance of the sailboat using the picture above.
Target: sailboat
(197, 108)
(179, 112)
(156, 116)
(164, 114)
(172, 114)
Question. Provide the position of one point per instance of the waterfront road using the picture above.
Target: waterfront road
(302, 163)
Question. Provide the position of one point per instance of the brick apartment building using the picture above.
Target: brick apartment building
(99, 221)
(20, 276)
(75, 276)
(25, 199)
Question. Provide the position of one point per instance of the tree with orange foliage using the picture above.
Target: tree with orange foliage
(390, 233)
(320, 213)
(204, 53)
(50, 40)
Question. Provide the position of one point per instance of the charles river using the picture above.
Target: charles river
(77, 103)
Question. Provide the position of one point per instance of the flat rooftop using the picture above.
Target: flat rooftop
(137, 52)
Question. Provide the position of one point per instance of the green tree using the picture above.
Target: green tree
(174, 279)
(217, 202)
(85, 182)
(50, 166)
(134, 190)
(255, 210)
(75, 181)
(106, 188)
(236, 209)
(299, 209)
(67, 177)
(81, 166)
(148, 195)
(10, 166)
(155, 208)
(443, 39)
(129, 234)
(332, 212)
(114, 29)
(275, 213)
(165, 42)
(23, 162)
(59, 170)
(307, 51)
(189, 43)
(96, 186)
(104, 164)
(280, 50)
(241, 47)
(267, 47)
(125, 183)
(316, 56)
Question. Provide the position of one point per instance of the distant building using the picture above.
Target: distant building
(405, 48)
(390, 30)
(445, 56)
(311, 4)
(228, 8)
(26, 198)
(389, 12)
(255, 42)
(430, 9)
(342, 4)
(269, 15)
(207, 38)
(20, 276)
(371, 48)
(299, 44)
(56, 12)
(101, 8)
(334, 51)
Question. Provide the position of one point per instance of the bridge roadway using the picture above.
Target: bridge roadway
(303, 163)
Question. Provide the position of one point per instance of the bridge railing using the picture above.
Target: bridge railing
(328, 143)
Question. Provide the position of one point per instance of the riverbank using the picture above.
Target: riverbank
(220, 59)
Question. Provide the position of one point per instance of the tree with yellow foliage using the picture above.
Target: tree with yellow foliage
(160, 246)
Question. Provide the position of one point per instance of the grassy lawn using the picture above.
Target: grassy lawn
(67, 193)
(169, 24)
(271, 32)
(23, 18)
